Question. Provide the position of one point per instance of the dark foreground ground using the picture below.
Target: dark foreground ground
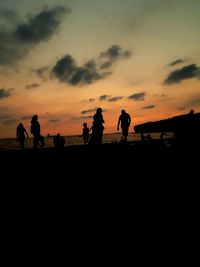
(142, 181)
(148, 158)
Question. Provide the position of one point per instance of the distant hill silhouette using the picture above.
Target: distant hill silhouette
(182, 123)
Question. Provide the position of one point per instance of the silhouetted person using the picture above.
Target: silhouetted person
(85, 134)
(125, 121)
(38, 139)
(59, 141)
(97, 127)
(20, 134)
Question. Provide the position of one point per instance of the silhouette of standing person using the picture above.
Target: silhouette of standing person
(38, 139)
(97, 127)
(85, 134)
(125, 121)
(20, 134)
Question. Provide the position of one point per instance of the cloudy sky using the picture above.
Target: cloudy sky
(62, 59)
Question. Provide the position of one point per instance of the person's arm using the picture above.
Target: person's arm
(129, 121)
(26, 132)
(118, 124)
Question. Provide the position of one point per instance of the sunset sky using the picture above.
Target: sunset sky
(62, 59)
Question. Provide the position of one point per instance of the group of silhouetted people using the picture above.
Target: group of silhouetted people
(96, 129)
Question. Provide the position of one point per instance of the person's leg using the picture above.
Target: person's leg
(125, 133)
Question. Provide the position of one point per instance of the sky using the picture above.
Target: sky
(63, 59)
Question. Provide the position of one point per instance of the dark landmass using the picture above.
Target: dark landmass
(183, 123)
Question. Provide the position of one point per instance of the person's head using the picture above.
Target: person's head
(58, 134)
(84, 124)
(35, 117)
(123, 111)
(20, 125)
(99, 110)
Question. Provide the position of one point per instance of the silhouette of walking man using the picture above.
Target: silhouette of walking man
(125, 121)
(35, 131)
(20, 134)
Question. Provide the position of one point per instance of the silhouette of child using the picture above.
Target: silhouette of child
(85, 134)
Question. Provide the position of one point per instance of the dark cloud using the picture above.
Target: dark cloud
(4, 93)
(149, 107)
(106, 65)
(176, 62)
(115, 99)
(40, 27)
(113, 54)
(88, 111)
(32, 86)
(91, 99)
(103, 97)
(67, 70)
(137, 96)
(187, 72)
(17, 42)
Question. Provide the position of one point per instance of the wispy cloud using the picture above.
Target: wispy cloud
(32, 86)
(82, 118)
(187, 72)
(177, 62)
(137, 96)
(115, 99)
(91, 99)
(149, 107)
(42, 72)
(54, 120)
(88, 111)
(9, 121)
(103, 97)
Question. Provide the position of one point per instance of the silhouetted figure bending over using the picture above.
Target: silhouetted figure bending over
(59, 141)
(97, 127)
(85, 134)
(38, 139)
(125, 121)
(20, 134)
